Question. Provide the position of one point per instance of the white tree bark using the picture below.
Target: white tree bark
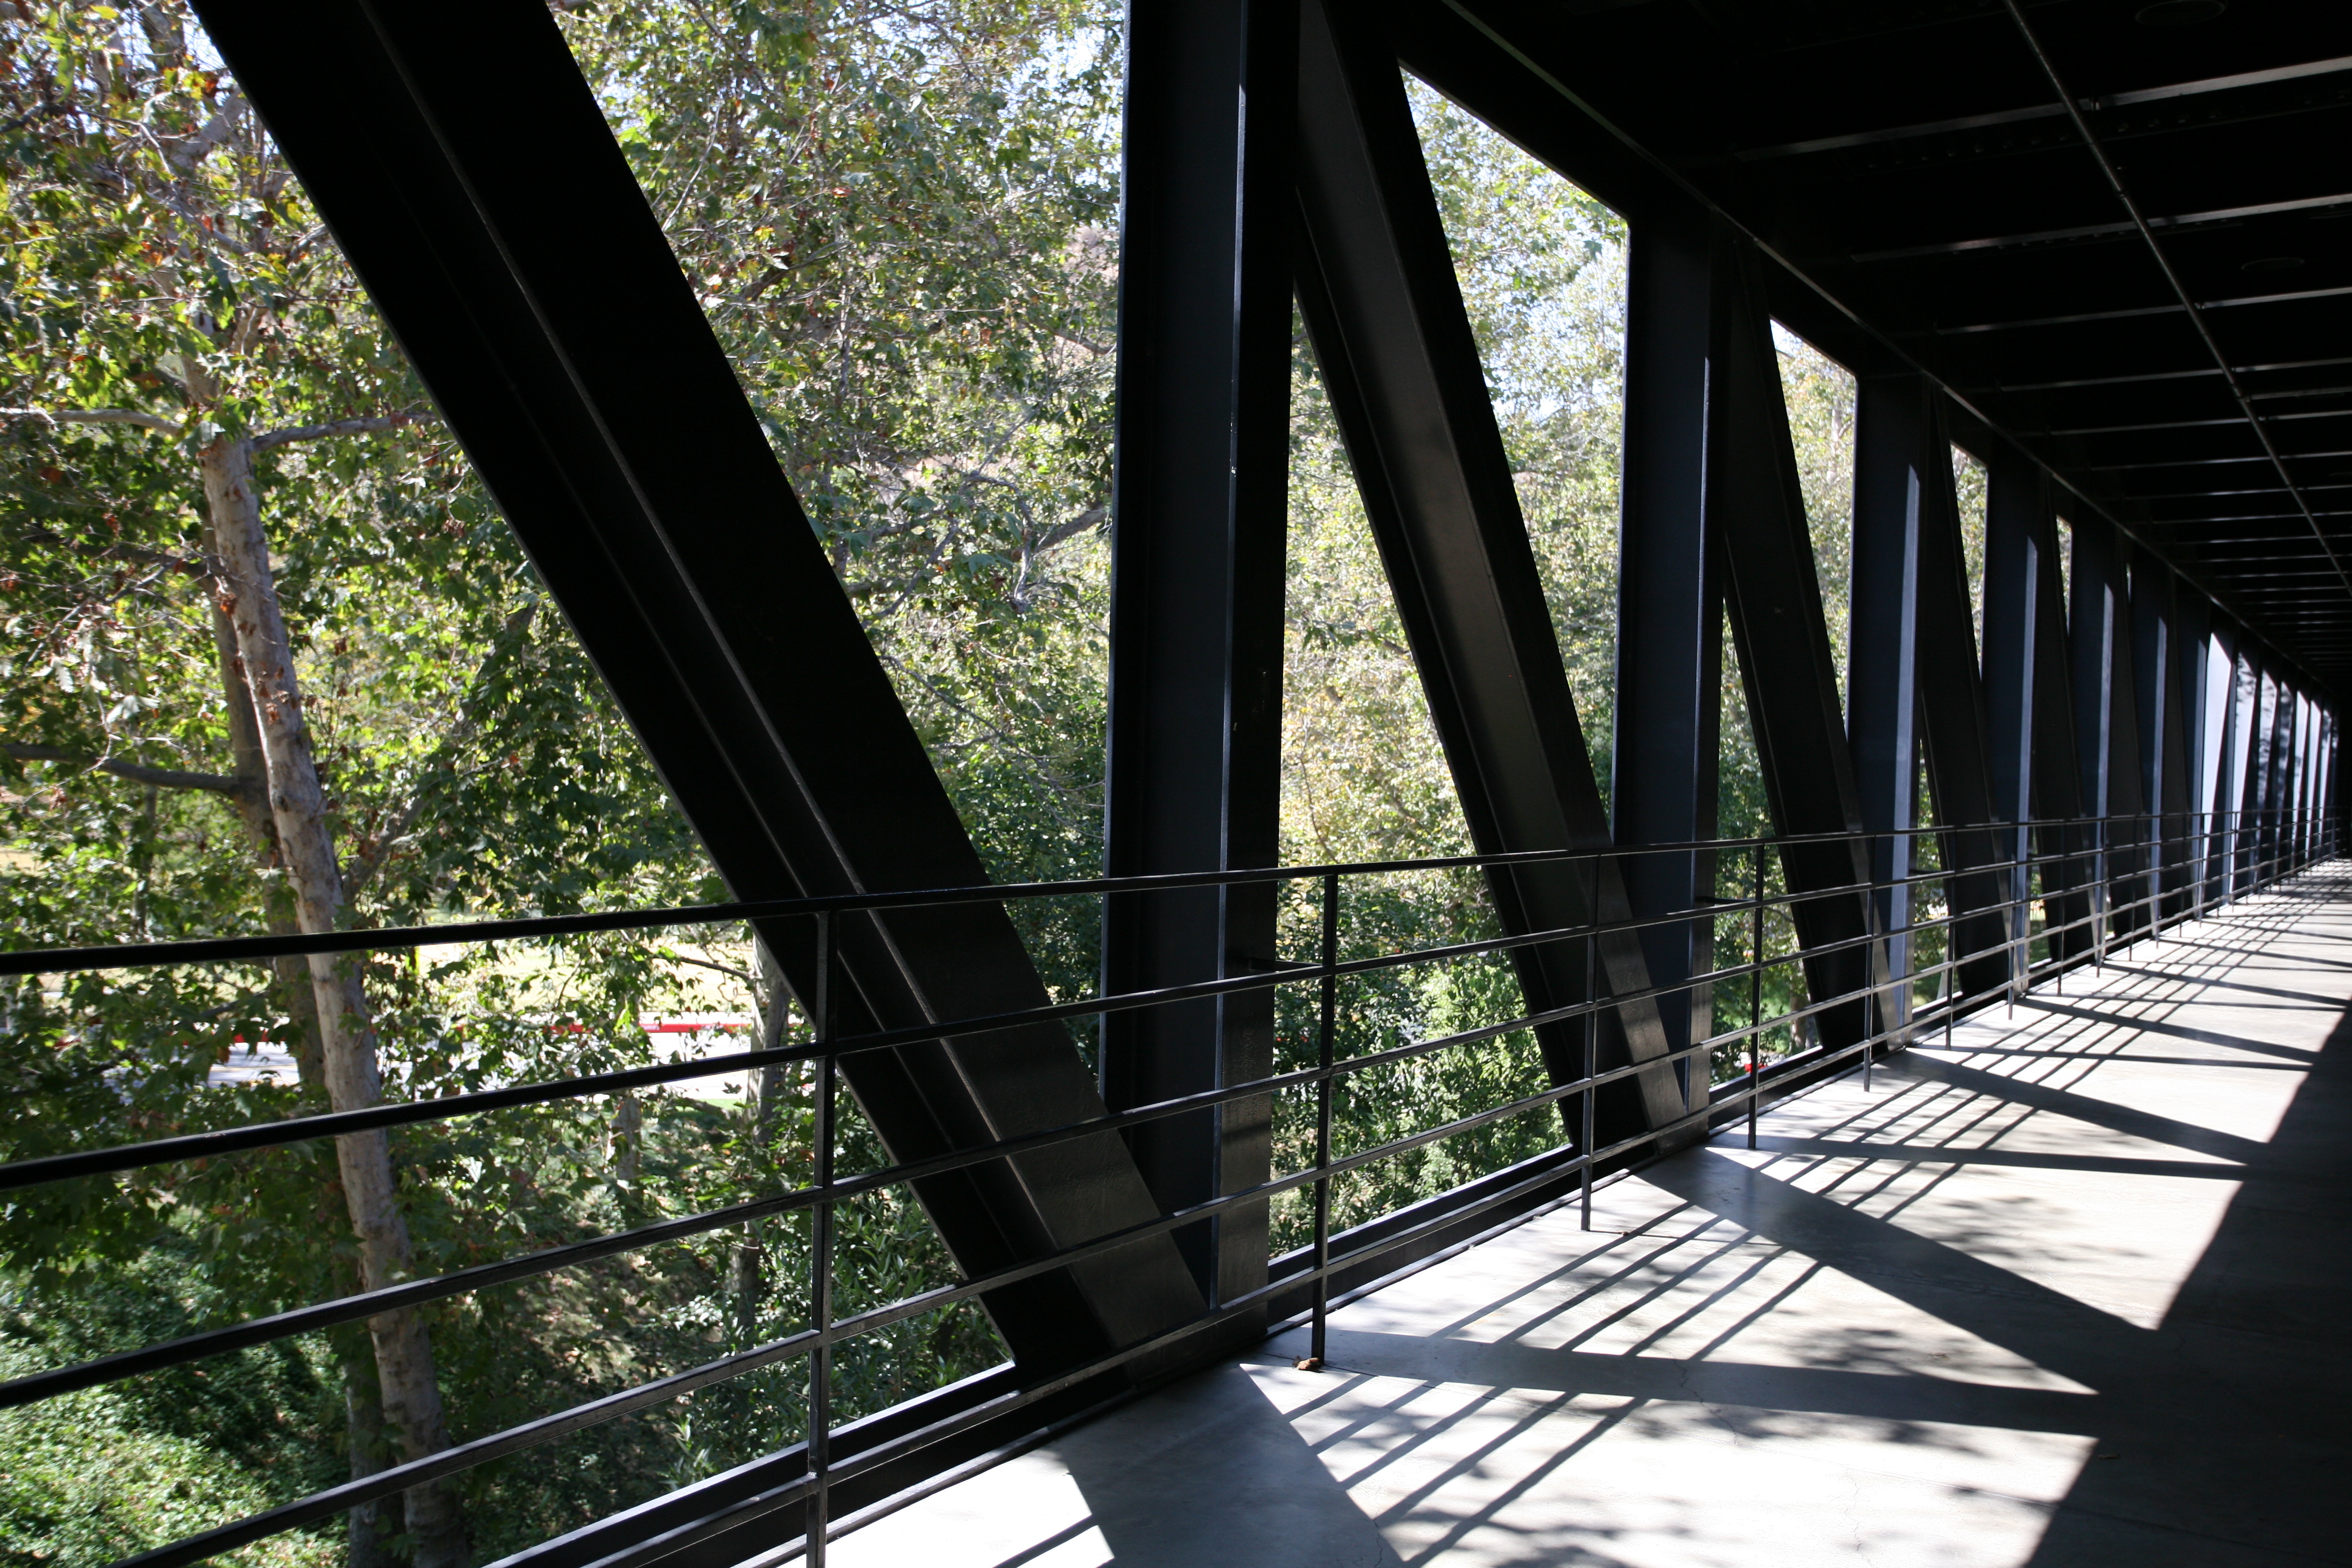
(403, 1351)
(369, 1527)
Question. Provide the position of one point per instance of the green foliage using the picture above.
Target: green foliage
(900, 220)
(106, 1472)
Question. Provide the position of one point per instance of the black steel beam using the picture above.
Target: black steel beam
(1771, 589)
(2154, 715)
(454, 149)
(1667, 745)
(2057, 780)
(1384, 313)
(2183, 796)
(2242, 790)
(2106, 727)
(2263, 784)
(2017, 538)
(2278, 768)
(1193, 763)
(1914, 652)
(2220, 772)
(1883, 650)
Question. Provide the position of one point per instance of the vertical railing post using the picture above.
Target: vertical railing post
(2203, 838)
(821, 1218)
(1872, 1033)
(2104, 913)
(2053, 910)
(1325, 1050)
(1756, 996)
(2023, 871)
(1951, 958)
(1591, 1043)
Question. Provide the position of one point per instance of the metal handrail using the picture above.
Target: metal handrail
(2281, 841)
(225, 1141)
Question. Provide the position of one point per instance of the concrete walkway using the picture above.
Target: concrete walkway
(2075, 1291)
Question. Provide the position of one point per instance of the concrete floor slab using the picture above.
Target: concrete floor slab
(2069, 1293)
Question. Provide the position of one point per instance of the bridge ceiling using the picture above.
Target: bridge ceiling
(2150, 291)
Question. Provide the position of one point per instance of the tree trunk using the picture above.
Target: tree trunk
(251, 770)
(404, 1351)
(629, 1124)
(371, 1525)
(745, 1273)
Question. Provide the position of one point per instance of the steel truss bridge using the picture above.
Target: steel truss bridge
(2104, 246)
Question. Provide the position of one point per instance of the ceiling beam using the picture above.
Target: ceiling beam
(2043, 110)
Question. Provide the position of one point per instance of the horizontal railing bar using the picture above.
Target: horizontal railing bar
(294, 1130)
(400, 1477)
(36, 1386)
(530, 1433)
(43, 1386)
(253, 949)
(226, 1140)
(249, 949)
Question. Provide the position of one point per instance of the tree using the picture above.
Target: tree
(202, 300)
(269, 660)
(899, 218)
(272, 663)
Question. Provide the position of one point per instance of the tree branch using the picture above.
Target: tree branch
(188, 564)
(373, 426)
(361, 867)
(161, 778)
(1085, 519)
(94, 416)
(674, 956)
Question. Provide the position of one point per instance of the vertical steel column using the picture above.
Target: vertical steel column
(1383, 310)
(2217, 679)
(1772, 592)
(2281, 775)
(2245, 791)
(1198, 500)
(2328, 808)
(2303, 720)
(2264, 812)
(2330, 761)
(2192, 620)
(2299, 713)
(1669, 624)
(2105, 732)
(2057, 778)
(2157, 665)
(2310, 771)
(2278, 737)
(1883, 654)
(2016, 503)
(2151, 661)
(1914, 661)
